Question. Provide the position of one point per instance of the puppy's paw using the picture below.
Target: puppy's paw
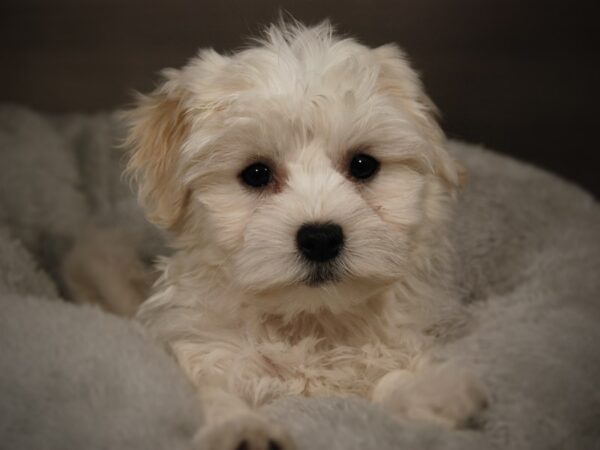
(444, 394)
(245, 432)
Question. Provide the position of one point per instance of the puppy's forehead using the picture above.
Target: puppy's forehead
(280, 102)
(294, 99)
(305, 67)
(287, 127)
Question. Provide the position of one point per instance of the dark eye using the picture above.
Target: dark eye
(363, 167)
(256, 175)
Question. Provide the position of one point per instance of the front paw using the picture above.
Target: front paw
(444, 394)
(245, 432)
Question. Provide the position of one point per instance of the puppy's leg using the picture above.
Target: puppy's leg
(445, 394)
(232, 425)
(104, 268)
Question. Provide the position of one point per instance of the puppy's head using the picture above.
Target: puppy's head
(308, 170)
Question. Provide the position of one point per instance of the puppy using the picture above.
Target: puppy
(306, 188)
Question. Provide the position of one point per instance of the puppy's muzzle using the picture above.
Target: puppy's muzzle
(320, 242)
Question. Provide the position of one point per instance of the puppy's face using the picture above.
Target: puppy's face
(308, 169)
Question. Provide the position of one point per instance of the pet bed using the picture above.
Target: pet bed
(74, 377)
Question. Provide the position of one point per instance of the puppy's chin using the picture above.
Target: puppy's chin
(322, 274)
(319, 288)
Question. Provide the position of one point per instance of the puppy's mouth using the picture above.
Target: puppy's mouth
(322, 273)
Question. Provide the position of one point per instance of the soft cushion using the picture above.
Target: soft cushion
(74, 377)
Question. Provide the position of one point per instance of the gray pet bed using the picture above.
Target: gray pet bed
(73, 377)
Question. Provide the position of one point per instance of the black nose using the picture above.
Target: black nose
(320, 242)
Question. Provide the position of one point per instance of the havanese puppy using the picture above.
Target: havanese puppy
(306, 187)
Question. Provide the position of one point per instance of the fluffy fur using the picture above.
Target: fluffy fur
(233, 304)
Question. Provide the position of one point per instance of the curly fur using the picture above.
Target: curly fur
(232, 304)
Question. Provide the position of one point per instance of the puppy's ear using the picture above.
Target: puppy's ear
(158, 127)
(401, 82)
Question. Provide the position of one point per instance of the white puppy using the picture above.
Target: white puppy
(306, 187)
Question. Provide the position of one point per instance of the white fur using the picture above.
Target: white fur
(231, 304)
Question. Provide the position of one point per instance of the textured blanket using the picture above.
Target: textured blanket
(74, 377)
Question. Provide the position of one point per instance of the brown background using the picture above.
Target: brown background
(518, 76)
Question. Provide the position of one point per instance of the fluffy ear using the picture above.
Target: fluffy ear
(158, 127)
(399, 80)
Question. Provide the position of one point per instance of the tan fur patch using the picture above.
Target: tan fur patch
(158, 129)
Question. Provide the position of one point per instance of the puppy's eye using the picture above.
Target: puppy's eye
(256, 175)
(363, 167)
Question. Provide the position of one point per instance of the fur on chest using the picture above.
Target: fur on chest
(260, 361)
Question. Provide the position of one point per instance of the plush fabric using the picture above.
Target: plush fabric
(74, 377)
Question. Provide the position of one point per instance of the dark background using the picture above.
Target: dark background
(518, 76)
